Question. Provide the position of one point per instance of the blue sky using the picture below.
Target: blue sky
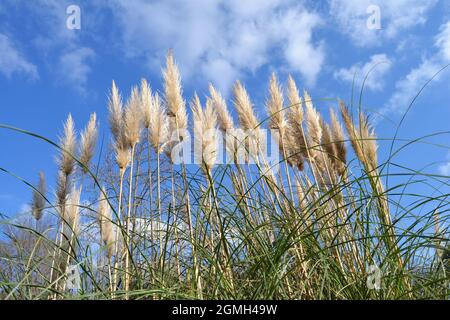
(48, 70)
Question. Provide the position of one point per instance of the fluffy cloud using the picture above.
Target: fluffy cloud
(73, 68)
(12, 61)
(53, 41)
(443, 41)
(376, 69)
(445, 169)
(396, 16)
(218, 40)
(411, 84)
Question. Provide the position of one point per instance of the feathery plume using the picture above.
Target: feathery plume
(205, 123)
(132, 118)
(338, 138)
(247, 120)
(244, 108)
(293, 151)
(147, 108)
(116, 123)
(115, 113)
(330, 149)
(62, 189)
(224, 119)
(106, 224)
(295, 138)
(174, 97)
(362, 138)
(88, 142)
(275, 107)
(225, 122)
(294, 96)
(66, 161)
(295, 112)
(72, 210)
(159, 129)
(315, 137)
(123, 155)
(38, 203)
(68, 144)
(313, 124)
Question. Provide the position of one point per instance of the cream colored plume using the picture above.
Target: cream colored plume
(147, 108)
(68, 144)
(88, 142)
(117, 126)
(159, 126)
(72, 210)
(313, 124)
(362, 138)
(106, 224)
(224, 118)
(252, 137)
(115, 113)
(244, 108)
(275, 105)
(224, 121)
(38, 203)
(338, 138)
(176, 106)
(205, 136)
(295, 138)
(133, 117)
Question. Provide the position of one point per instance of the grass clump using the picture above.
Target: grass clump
(146, 223)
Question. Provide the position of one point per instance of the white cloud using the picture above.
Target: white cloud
(396, 17)
(218, 40)
(54, 41)
(443, 41)
(12, 61)
(73, 67)
(375, 70)
(408, 87)
(445, 169)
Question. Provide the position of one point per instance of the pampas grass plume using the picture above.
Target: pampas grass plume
(38, 203)
(88, 142)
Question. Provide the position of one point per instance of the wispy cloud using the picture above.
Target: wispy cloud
(74, 69)
(375, 70)
(407, 87)
(396, 17)
(53, 41)
(219, 40)
(445, 169)
(12, 61)
(443, 41)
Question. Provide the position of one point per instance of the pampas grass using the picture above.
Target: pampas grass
(176, 106)
(105, 221)
(88, 142)
(68, 144)
(314, 230)
(38, 203)
(205, 125)
(338, 138)
(295, 137)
